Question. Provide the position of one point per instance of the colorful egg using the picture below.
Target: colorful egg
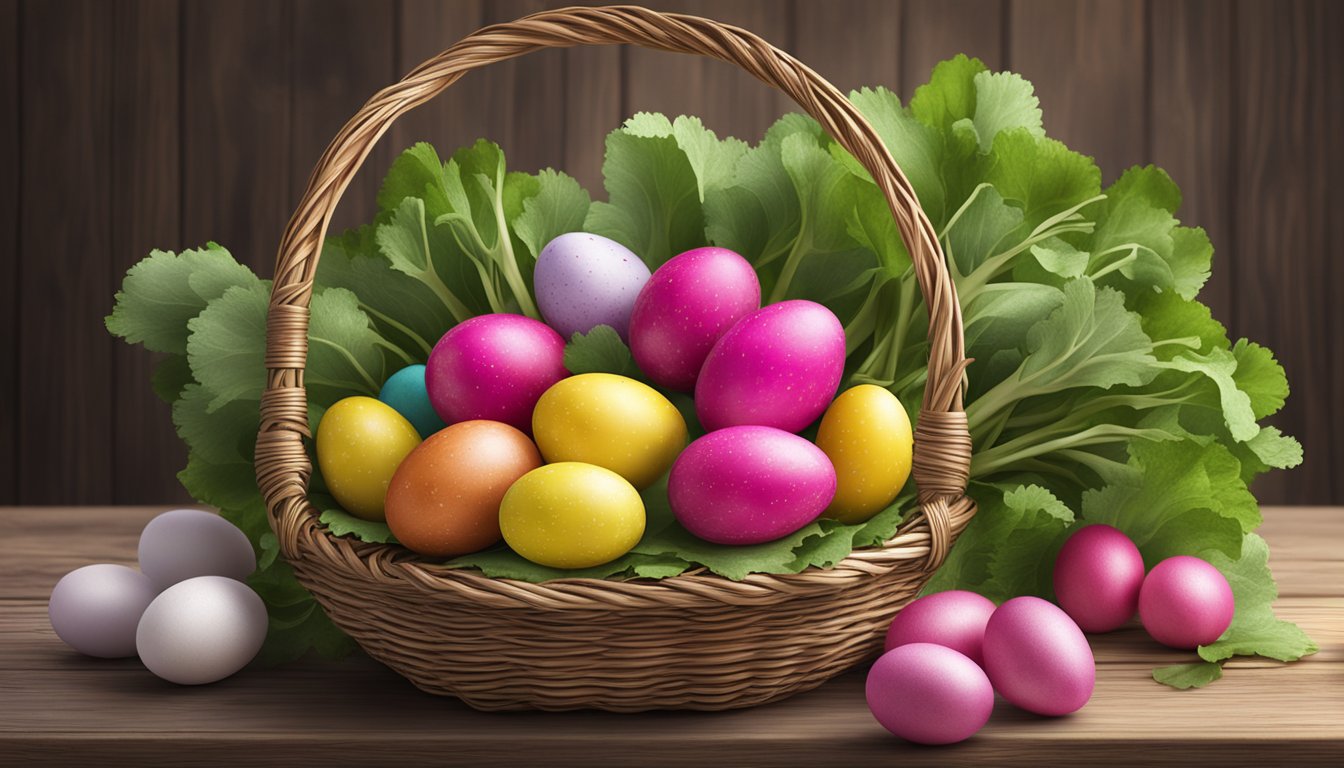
(583, 281)
(494, 367)
(611, 421)
(867, 436)
(1037, 658)
(571, 515)
(688, 304)
(954, 619)
(444, 499)
(929, 694)
(1185, 602)
(1098, 574)
(749, 485)
(360, 443)
(406, 392)
(777, 367)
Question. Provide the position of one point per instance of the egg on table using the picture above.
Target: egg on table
(611, 421)
(1037, 658)
(749, 485)
(1185, 602)
(444, 499)
(867, 436)
(201, 630)
(360, 443)
(954, 619)
(929, 694)
(571, 515)
(95, 609)
(184, 543)
(584, 280)
(1098, 573)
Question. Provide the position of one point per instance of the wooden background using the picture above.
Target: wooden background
(157, 123)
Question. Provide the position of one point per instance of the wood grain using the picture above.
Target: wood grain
(592, 109)
(940, 29)
(146, 213)
(237, 80)
(1190, 128)
(65, 355)
(11, 150)
(457, 117)
(1282, 212)
(1087, 61)
(848, 54)
(60, 707)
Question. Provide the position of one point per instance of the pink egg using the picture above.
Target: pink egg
(689, 303)
(954, 619)
(749, 485)
(1037, 658)
(778, 367)
(1098, 574)
(929, 694)
(1185, 602)
(494, 367)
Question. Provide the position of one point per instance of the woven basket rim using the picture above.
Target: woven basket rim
(942, 445)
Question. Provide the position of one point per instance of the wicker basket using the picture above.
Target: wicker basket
(695, 641)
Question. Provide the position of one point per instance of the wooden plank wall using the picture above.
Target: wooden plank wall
(165, 123)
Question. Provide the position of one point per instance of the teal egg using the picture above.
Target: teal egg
(405, 392)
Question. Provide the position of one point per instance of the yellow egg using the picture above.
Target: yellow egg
(360, 443)
(611, 421)
(571, 515)
(866, 433)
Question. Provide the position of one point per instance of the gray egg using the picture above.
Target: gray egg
(201, 630)
(186, 543)
(95, 609)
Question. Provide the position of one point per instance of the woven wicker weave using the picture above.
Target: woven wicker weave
(694, 641)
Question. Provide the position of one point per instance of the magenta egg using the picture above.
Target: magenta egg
(929, 694)
(778, 367)
(953, 619)
(749, 485)
(1037, 658)
(1098, 574)
(688, 304)
(494, 367)
(1185, 602)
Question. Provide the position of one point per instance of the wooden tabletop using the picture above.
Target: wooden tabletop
(57, 707)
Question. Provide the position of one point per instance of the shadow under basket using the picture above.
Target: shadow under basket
(694, 641)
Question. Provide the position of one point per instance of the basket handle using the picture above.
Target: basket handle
(942, 450)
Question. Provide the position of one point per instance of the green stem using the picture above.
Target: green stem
(791, 263)
(372, 385)
(396, 350)
(382, 318)
(505, 256)
(1026, 446)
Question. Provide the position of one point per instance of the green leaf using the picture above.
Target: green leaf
(227, 434)
(413, 246)
(599, 351)
(713, 161)
(982, 229)
(164, 291)
(758, 215)
(227, 345)
(342, 523)
(1060, 258)
(1168, 316)
(171, 376)
(1023, 563)
(1219, 366)
(1004, 101)
(1193, 675)
(1255, 631)
(560, 206)
(1041, 176)
(1261, 377)
(916, 148)
(417, 172)
(344, 356)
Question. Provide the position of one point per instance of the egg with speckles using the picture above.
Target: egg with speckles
(611, 421)
(777, 367)
(444, 499)
(571, 515)
(494, 367)
(360, 443)
(688, 304)
(584, 280)
(749, 485)
(866, 434)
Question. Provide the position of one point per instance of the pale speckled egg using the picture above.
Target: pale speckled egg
(95, 609)
(1037, 658)
(688, 304)
(867, 436)
(184, 543)
(360, 443)
(494, 367)
(611, 421)
(929, 694)
(201, 630)
(572, 515)
(584, 280)
(749, 485)
(777, 367)
(444, 498)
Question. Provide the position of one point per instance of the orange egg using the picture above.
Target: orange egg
(444, 499)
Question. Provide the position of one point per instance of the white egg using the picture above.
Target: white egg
(186, 543)
(201, 630)
(95, 609)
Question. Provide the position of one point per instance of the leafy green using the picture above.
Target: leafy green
(1196, 674)
(1255, 630)
(600, 351)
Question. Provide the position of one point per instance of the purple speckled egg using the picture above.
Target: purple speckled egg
(954, 619)
(777, 367)
(1098, 573)
(748, 485)
(583, 281)
(688, 304)
(1037, 658)
(1185, 602)
(929, 694)
(494, 367)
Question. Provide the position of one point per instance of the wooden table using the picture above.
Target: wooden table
(57, 707)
